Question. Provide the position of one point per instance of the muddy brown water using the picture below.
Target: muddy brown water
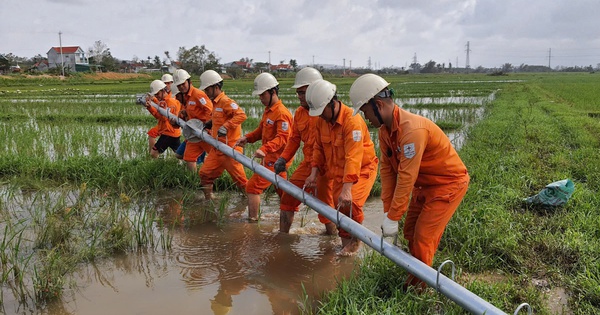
(236, 268)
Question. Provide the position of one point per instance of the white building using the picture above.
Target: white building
(73, 57)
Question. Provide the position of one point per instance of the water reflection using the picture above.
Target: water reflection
(233, 268)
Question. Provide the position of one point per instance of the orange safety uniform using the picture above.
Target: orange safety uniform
(153, 132)
(417, 157)
(197, 106)
(164, 127)
(344, 151)
(274, 131)
(229, 114)
(304, 130)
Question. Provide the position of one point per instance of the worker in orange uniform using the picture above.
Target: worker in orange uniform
(226, 126)
(196, 105)
(153, 132)
(274, 131)
(344, 151)
(418, 158)
(168, 133)
(303, 131)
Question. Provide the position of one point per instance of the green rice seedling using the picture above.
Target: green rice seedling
(49, 275)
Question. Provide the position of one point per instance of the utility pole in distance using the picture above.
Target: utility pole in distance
(62, 58)
(549, 57)
(468, 50)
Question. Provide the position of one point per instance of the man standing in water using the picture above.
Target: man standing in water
(418, 158)
(302, 131)
(343, 151)
(195, 105)
(226, 126)
(274, 132)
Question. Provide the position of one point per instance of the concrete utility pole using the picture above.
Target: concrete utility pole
(62, 58)
(468, 50)
(369, 63)
(344, 66)
(549, 57)
(269, 70)
(313, 64)
(350, 68)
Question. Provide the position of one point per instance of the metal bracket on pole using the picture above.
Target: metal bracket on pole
(529, 310)
(439, 271)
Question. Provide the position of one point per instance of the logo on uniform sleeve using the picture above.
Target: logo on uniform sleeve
(285, 126)
(270, 122)
(356, 135)
(203, 101)
(409, 150)
(218, 109)
(234, 106)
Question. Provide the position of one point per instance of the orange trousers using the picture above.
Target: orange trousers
(360, 194)
(324, 190)
(429, 212)
(256, 184)
(214, 165)
(194, 149)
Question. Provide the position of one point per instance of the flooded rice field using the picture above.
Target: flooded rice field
(218, 266)
(169, 251)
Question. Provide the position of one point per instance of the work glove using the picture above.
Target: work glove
(279, 165)
(183, 114)
(222, 132)
(389, 227)
(208, 124)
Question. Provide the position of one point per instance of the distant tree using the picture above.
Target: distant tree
(415, 66)
(98, 51)
(507, 67)
(293, 63)
(261, 66)
(4, 63)
(235, 72)
(110, 63)
(157, 62)
(197, 59)
(429, 67)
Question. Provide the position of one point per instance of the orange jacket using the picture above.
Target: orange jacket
(197, 104)
(274, 130)
(164, 126)
(302, 131)
(344, 150)
(416, 152)
(229, 114)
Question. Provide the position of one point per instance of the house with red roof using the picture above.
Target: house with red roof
(73, 58)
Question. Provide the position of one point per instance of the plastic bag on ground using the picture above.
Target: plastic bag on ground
(554, 194)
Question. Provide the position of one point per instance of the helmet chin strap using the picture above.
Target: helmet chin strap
(333, 117)
(376, 110)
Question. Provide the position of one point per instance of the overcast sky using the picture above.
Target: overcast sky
(389, 32)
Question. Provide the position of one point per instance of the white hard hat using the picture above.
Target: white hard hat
(262, 82)
(365, 88)
(156, 86)
(167, 78)
(179, 76)
(306, 76)
(209, 78)
(318, 95)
